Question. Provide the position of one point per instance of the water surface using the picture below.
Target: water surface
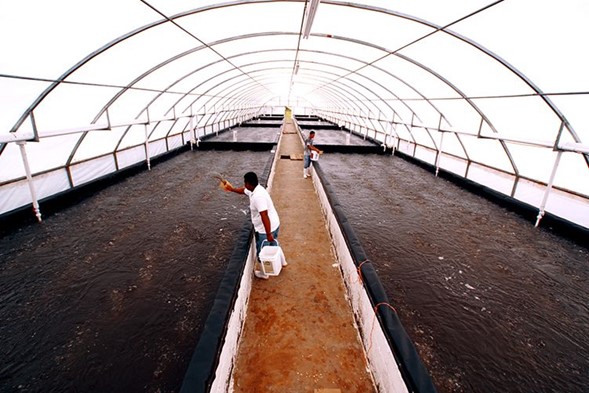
(491, 303)
(111, 295)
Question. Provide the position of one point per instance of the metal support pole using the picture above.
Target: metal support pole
(108, 119)
(147, 155)
(25, 161)
(548, 188)
(192, 137)
(439, 154)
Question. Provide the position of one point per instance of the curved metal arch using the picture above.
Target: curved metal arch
(238, 82)
(230, 69)
(341, 92)
(197, 70)
(241, 54)
(435, 74)
(336, 67)
(117, 41)
(359, 93)
(330, 96)
(385, 102)
(74, 150)
(337, 3)
(205, 94)
(248, 93)
(479, 47)
(137, 80)
(126, 36)
(441, 78)
(228, 39)
(244, 93)
(355, 90)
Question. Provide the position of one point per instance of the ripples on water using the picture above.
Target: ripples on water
(491, 303)
(111, 295)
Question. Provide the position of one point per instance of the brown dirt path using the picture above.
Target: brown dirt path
(299, 334)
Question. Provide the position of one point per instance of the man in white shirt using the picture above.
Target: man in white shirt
(307, 154)
(263, 213)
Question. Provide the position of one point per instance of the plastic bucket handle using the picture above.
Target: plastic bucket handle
(266, 240)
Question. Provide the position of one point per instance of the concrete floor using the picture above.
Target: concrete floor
(299, 333)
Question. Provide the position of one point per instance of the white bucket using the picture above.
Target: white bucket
(271, 258)
(314, 155)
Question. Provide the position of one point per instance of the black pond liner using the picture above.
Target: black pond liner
(206, 143)
(358, 149)
(414, 373)
(267, 124)
(200, 373)
(270, 117)
(375, 148)
(318, 126)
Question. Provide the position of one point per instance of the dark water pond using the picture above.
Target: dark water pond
(491, 303)
(338, 137)
(110, 295)
(249, 134)
(314, 123)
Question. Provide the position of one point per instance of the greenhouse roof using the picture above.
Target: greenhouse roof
(499, 87)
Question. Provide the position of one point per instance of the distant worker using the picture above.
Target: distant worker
(264, 216)
(307, 154)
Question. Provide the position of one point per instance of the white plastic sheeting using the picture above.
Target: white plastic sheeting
(87, 83)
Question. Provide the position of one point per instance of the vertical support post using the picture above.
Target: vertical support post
(147, 154)
(25, 161)
(412, 137)
(213, 125)
(394, 138)
(439, 154)
(108, 118)
(440, 148)
(192, 136)
(548, 188)
(34, 125)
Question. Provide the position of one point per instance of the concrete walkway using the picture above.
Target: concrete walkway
(299, 334)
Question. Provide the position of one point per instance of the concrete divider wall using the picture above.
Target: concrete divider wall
(222, 381)
(394, 361)
(215, 355)
(381, 360)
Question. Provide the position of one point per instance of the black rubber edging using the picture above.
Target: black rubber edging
(200, 373)
(318, 126)
(262, 125)
(235, 146)
(358, 149)
(412, 369)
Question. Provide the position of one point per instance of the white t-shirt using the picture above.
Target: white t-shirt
(260, 201)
